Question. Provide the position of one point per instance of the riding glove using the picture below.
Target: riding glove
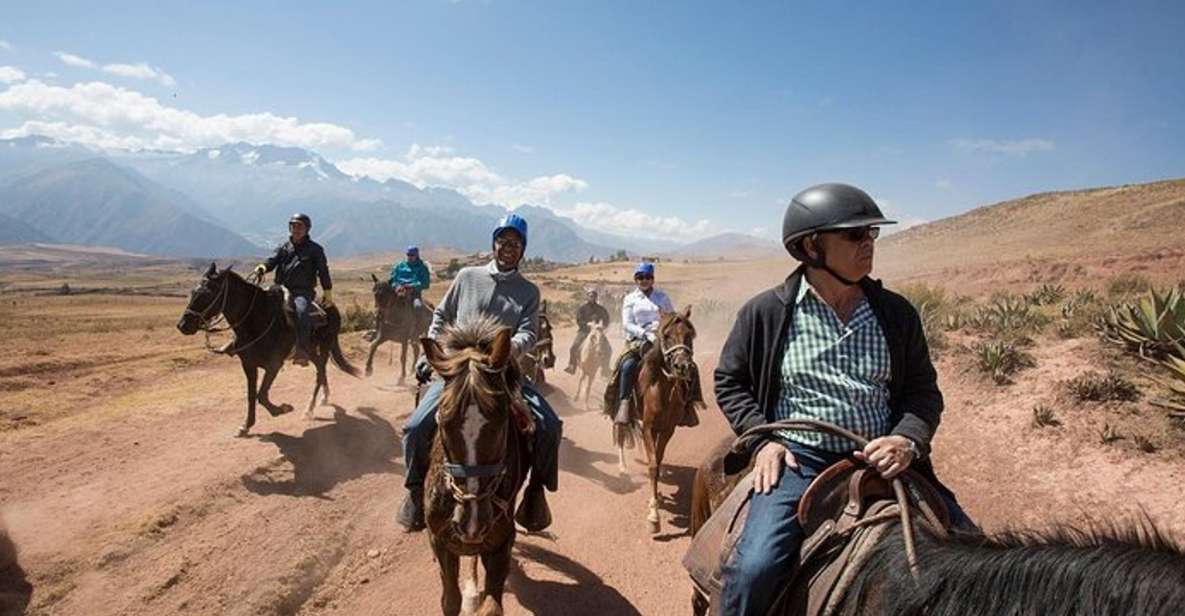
(423, 370)
(260, 269)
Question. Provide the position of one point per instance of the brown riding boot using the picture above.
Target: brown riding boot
(533, 513)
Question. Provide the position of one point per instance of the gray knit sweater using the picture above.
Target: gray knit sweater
(484, 291)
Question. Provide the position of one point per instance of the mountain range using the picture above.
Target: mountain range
(235, 200)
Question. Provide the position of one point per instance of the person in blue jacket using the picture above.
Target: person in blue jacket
(410, 275)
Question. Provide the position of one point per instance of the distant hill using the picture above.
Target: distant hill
(1139, 222)
(728, 246)
(14, 231)
(96, 202)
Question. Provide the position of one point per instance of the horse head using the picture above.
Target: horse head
(474, 418)
(676, 340)
(207, 300)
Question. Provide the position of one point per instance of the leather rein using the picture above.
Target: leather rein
(212, 325)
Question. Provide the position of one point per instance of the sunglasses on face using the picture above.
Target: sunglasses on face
(509, 242)
(858, 234)
(643, 277)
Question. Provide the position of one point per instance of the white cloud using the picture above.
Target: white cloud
(5, 45)
(11, 74)
(50, 75)
(943, 184)
(607, 217)
(141, 71)
(440, 166)
(61, 131)
(74, 60)
(1019, 148)
(525, 149)
(105, 112)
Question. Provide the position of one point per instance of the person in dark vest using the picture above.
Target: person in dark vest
(830, 344)
(299, 264)
(590, 312)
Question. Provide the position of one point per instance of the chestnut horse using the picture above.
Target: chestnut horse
(664, 389)
(478, 460)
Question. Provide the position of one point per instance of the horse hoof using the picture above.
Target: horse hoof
(243, 430)
(285, 409)
(490, 607)
(369, 371)
(654, 527)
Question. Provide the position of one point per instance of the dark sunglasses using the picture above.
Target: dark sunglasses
(508, 241)
(858, 234)
(642, 277)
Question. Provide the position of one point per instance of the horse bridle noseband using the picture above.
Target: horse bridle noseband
(668, 354)
(210, 326)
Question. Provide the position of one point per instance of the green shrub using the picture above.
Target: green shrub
(1153, 326)
(357, 318)
(1128, 283)
(1046, 295)
(1001, 359)
(1043, 416)
(1095, 387)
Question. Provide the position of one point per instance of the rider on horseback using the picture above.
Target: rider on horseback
(408, 276)
(590, 312)
(300, 263)
(829, 344)
(500, 291)
(641, 312)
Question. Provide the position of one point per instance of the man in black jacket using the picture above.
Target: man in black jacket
(590, 312)
(299, 264)
(831, 344)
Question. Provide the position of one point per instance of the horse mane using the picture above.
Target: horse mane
(466, 345)
(1117, 567)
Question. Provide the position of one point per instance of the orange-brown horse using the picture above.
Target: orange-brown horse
(664, 388)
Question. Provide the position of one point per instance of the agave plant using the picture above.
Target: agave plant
(1001, 359)
(1154, 326)
(1009, 315)
(1046, 295)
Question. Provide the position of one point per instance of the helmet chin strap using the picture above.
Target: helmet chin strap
(820, 262)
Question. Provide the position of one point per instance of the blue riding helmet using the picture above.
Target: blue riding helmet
(412, 250)
(511, 221)
(644, 269)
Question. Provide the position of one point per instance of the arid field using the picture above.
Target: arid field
(126, 492)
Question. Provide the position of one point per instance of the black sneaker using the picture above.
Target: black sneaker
(411, 512)
(533, 513)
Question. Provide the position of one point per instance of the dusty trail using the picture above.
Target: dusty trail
(156, 509)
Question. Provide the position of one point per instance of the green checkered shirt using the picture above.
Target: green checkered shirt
(834, 372)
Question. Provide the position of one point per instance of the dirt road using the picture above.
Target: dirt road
(153, 507)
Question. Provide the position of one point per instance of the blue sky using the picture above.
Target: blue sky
(677, 119)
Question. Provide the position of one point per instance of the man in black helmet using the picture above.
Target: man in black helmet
(299, 264)
(831, 344)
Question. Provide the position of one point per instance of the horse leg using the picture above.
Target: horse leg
(252, 374)
(403, 362)
(450, 571)
(648, 442)
(320, 357)
(269, 376)
(497, 566)
(374, 346)
(660, 449)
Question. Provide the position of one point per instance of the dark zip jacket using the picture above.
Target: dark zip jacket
(299, 266)
(748, 376)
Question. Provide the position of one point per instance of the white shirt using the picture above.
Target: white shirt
(640, 314)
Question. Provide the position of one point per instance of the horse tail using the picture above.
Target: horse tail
(335, 349)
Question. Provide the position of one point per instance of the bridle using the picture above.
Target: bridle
(668, 356)
(212, 325)
(498, 470)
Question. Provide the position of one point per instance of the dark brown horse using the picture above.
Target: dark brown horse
(542, 355)
(401, 323)
(1108, 569)
(664, 388)
(263, 336)
(478, 460)
(15, 589)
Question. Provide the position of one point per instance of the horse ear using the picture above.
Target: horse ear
(687, 312)
(376, 280)
(213, 269)
(500, 349)
(434, 352)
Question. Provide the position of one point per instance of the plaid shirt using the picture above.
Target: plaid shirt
(834, 372)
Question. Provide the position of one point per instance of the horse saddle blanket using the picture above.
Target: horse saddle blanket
(843, 513)
(317, 314)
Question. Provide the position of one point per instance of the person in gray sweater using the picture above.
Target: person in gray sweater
(500, 291)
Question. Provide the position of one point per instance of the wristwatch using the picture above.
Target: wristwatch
(914, 449)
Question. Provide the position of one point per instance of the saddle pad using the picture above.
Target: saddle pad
(712, 546)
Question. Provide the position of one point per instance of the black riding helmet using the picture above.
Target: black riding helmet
(823, 208)
(303, 219)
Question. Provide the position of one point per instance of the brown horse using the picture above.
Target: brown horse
(478, 459)
(592, 359)
(15, 589)
(401, 323)
(542, 355)
(664, 389)
(263, 337)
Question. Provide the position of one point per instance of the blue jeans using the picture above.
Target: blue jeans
(304, 325)
(768, 548)
(421, 428)
(630, 366)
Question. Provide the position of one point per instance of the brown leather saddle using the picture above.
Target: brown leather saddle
(843, 514)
